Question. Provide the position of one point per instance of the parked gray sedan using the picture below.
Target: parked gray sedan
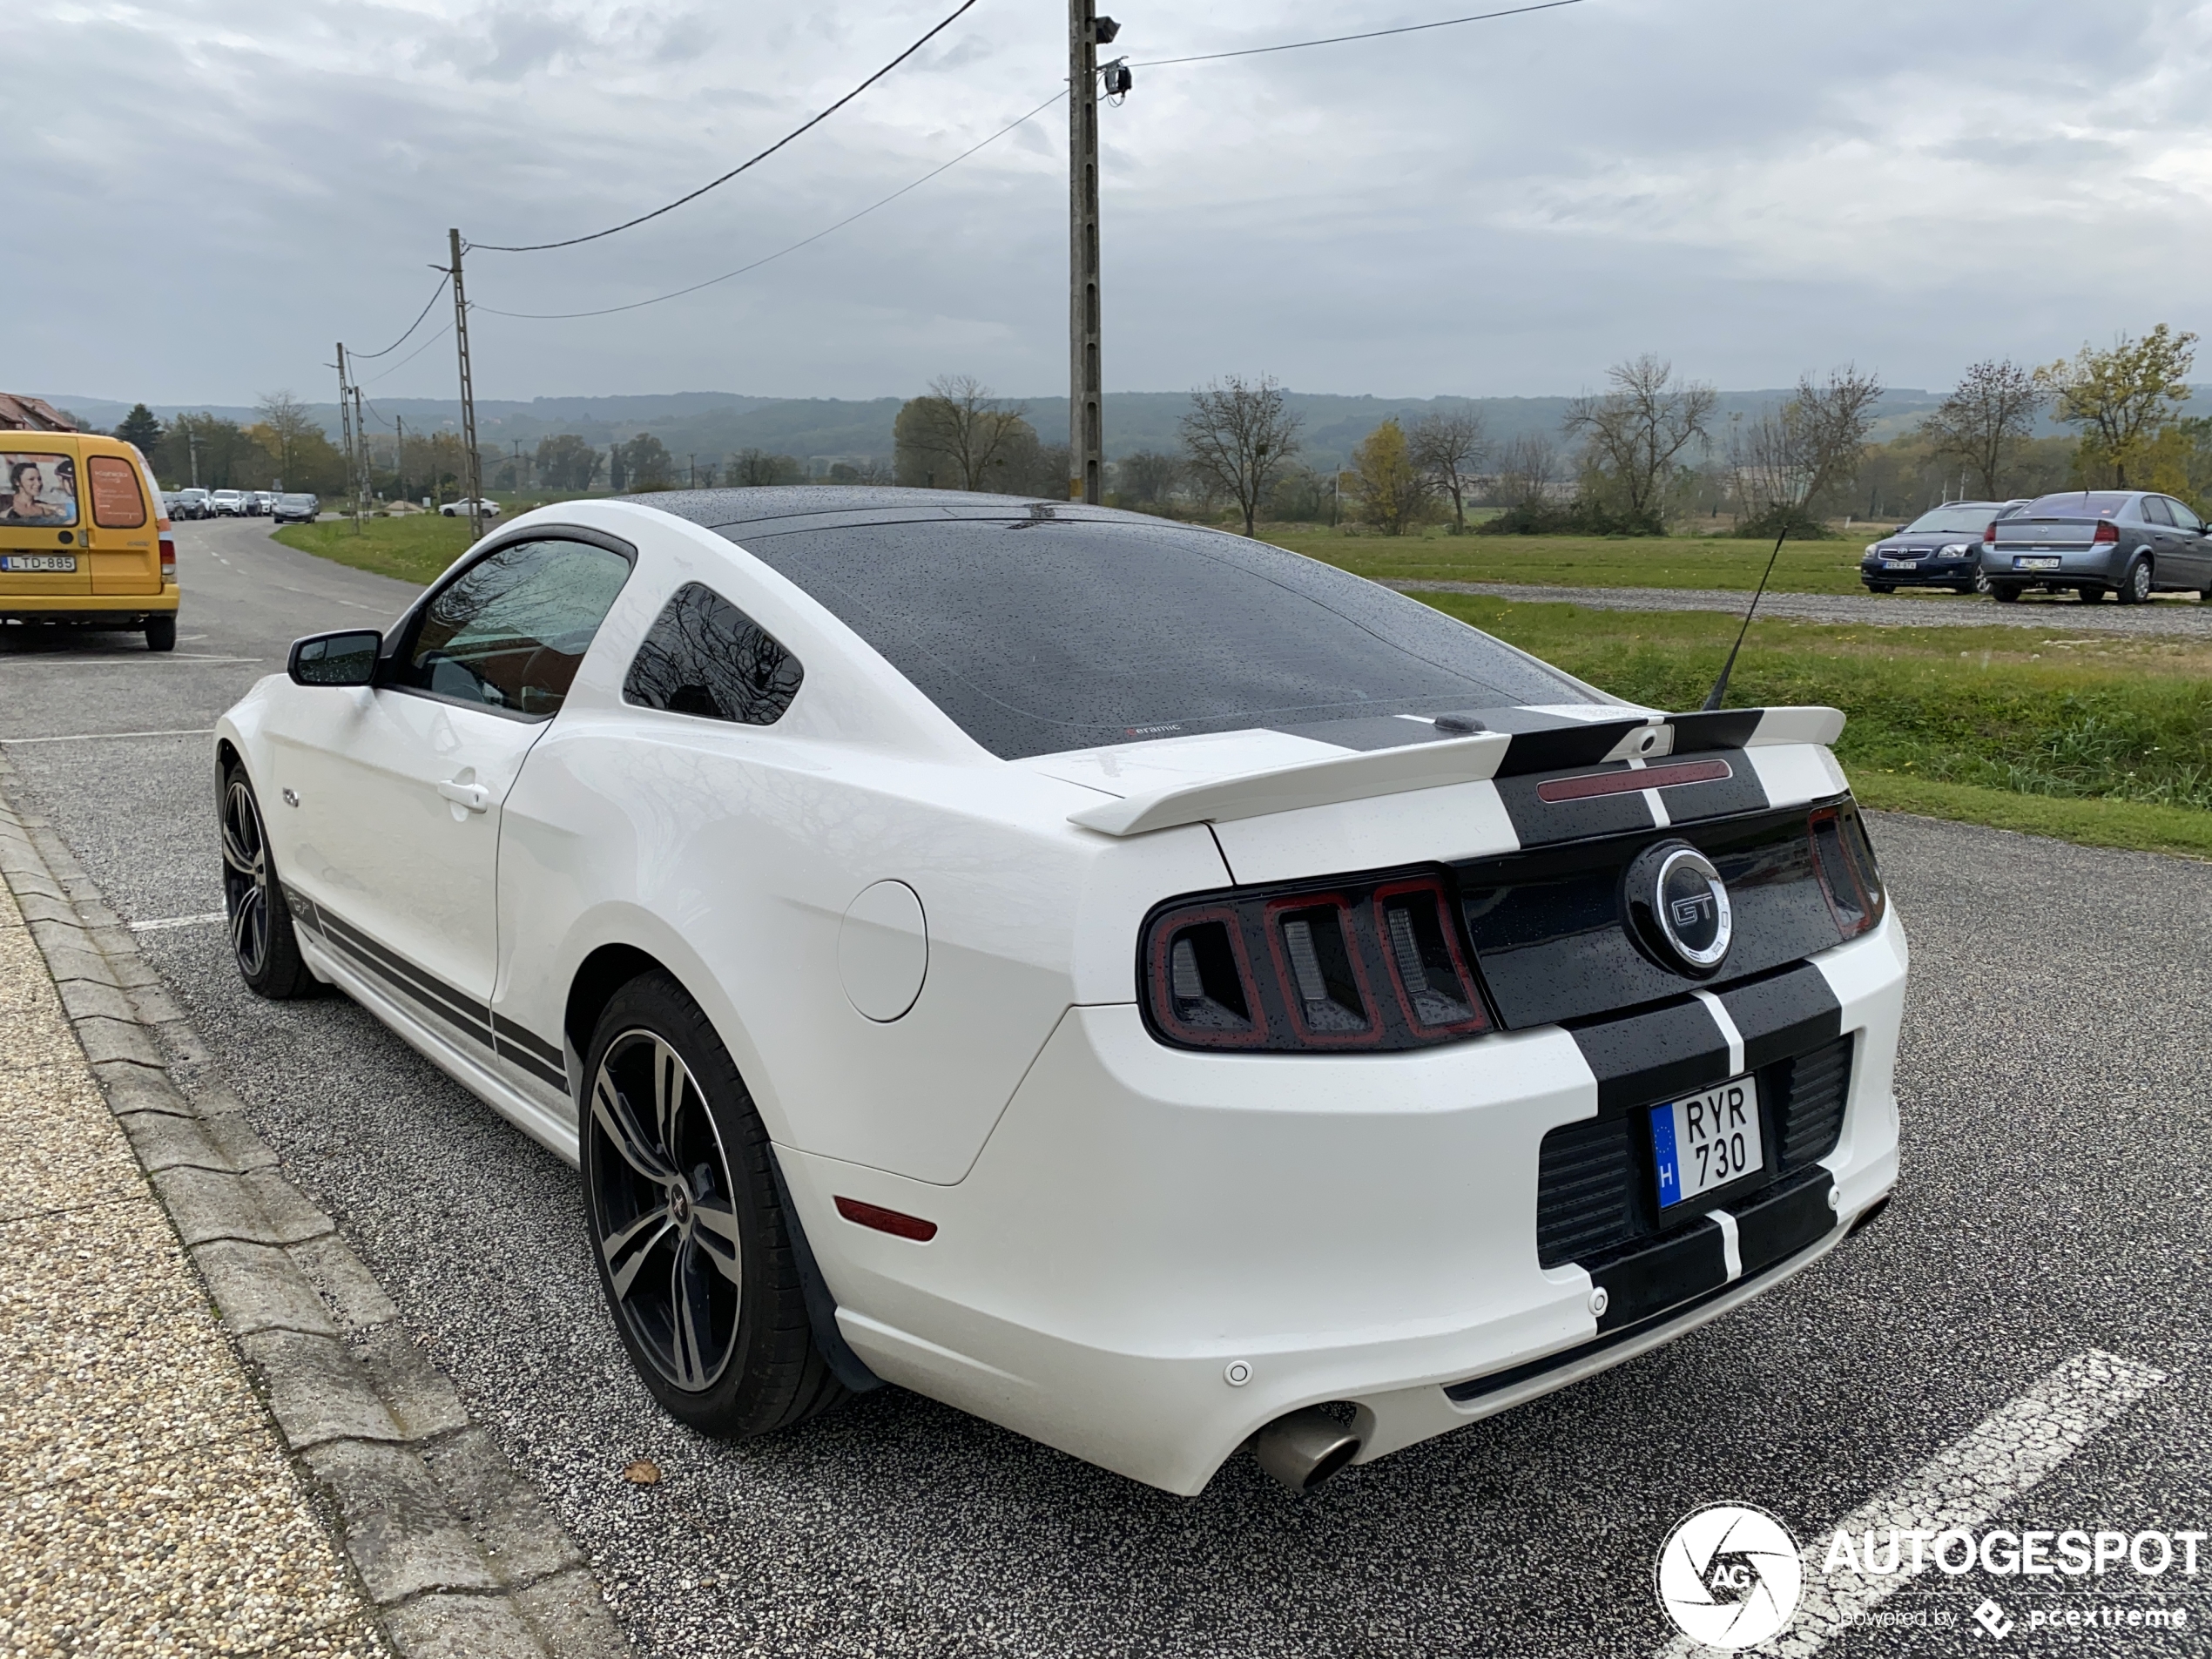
(2130, 543)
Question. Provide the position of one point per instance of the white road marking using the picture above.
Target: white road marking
(1966, 1484)
(97, 737)
(135, 659)
(209, 919)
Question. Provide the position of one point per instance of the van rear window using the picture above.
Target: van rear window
(41, 489)
(117, 504)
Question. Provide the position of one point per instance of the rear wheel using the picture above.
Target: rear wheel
(2135, 584)
(2089, 594)
(161, 633)
(2006, 593)
(262, 942)
(687, 1223)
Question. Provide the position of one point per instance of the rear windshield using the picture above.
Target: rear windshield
(1051, 635)
(2079, 503)
(1954, 519)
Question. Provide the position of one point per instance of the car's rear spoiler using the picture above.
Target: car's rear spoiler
(1433, 762)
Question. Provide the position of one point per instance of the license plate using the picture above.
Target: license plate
(1900, 564)
(2032, 562)
(1707, 1140)
(64, 562)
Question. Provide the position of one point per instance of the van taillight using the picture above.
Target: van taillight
(168, 559)
(1844, 858)
(1367, 965)
(2106, 531)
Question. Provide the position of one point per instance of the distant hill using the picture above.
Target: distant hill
(714, 425)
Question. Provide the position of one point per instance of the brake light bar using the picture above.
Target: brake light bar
(1589, 784)
(1369, 965)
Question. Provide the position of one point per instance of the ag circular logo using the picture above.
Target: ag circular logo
(1679, 907)
(1729, 1576)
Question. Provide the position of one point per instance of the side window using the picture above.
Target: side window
(117, 504)
(2154, 510)
(705, 656)
(2184, 518)
(510, 633)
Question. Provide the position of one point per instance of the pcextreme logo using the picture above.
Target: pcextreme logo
(1729, 1576)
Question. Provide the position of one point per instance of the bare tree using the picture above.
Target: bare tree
(1634, 433)
(1528, 468)
(960, 431)
(1146, 476)
(1240, 436)
(285, 420)
(752, 468)
(1790, 458)
(1836, 418)
(1450, 447)
(1984, 420)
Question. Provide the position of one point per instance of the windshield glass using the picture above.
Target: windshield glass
(1960, 517)
(2079, 503)
(1039, 635)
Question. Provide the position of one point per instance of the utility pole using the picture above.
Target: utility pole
(360, 472)
(346, 426)
(399, 457)
(192, 442)
(1087, 31)
(518, 463)
(474, 466)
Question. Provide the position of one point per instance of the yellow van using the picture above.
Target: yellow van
(82, 538)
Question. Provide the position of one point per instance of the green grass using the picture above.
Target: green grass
(413, 549)
(2103, 740)
(1584, 561)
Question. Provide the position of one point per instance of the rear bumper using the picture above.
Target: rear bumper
(2104, 564)
(105, 610)
(1355, 1229)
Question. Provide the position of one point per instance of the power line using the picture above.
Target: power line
(363, 356)
(411, 356)
(541, 247)
(635, 305)
(1338, 40)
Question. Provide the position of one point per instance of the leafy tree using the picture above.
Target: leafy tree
(142, 427)
(958, 436)
(2120, 398)
(1146, 478)
(1987, 416)
(1450, 447)
(751, 469)
(226, 458)
(286, 421)
(650, 464)
(1633, 435)
(1238, 436)
(1393, 490)
(566, 462)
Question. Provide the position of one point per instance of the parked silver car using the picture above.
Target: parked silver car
(2130, 543)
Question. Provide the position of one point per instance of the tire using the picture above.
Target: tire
(161, 633)
(687, 1224)
(2090, 595)
(1881, 587)
(2136, 583)
(262, 941)
(2006, 593)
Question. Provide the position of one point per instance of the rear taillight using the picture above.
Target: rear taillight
(1367, 965)
(168, 559)
(1989, 534)
(2106, 531)
(1844, 858)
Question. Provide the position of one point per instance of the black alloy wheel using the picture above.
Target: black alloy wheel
(262, 942)
(688, 1225)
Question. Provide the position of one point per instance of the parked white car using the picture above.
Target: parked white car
(460, 509)
(1141, 986)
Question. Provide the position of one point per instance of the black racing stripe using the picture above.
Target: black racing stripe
(1656, 1277)
(1541, 823)
(508, 1033)
(1553, 748)
(1786, 1014)
(424, 983)
(1741, 792)
(532, 1064)
(479, 1034)
(1721, 729)
(1656, 1055)
(1784, 1221)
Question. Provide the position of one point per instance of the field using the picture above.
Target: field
(1585, 561)
(413, 549)
(2105, 741)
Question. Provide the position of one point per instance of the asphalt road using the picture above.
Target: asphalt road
(2056, 1196)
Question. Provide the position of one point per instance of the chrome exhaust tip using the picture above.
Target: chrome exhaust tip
(1304, 1448)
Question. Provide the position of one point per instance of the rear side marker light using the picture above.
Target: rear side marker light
(1590, 784)
(1372, 965)
(1844, 858)
(894, 1222)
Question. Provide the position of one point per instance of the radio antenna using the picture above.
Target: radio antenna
(1720, 686)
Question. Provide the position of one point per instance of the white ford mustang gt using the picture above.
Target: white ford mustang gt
(1143, 987)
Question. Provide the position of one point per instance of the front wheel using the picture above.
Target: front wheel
(687, 1223)
(262, 941)
(1881, 587)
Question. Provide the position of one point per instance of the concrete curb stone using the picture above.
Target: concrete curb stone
(460, 1556)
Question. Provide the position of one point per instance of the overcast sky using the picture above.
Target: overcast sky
(207, 193)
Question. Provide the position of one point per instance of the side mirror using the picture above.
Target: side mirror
(348, 659)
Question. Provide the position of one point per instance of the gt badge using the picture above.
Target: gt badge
(1677, 907)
